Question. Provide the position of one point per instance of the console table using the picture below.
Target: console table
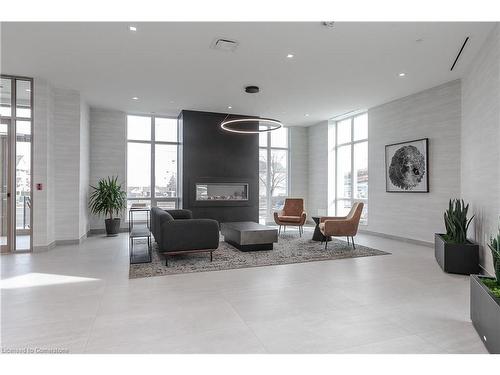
(139, 232)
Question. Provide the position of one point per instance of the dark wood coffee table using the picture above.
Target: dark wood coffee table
(318, 236)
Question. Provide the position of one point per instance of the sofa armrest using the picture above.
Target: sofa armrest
(331, 218)
(340, 227)
(276, 215)
(194, 234)
(181, 214)
(303, 218)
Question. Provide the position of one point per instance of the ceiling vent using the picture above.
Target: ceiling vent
(224, 44)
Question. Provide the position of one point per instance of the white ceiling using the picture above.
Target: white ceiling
(170, 66)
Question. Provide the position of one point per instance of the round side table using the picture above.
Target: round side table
(318, 236)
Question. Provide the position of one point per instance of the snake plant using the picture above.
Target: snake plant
(495, 252)
(456, 222)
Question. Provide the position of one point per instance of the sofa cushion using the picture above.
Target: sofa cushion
(290, 219)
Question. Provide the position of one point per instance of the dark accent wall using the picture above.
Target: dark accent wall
(212, 153)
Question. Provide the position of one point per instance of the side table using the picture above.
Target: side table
(318, 236)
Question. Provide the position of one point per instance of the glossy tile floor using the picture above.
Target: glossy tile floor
(79, 298)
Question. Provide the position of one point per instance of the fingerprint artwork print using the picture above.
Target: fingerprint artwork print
(407, 166)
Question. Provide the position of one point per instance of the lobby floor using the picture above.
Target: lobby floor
(79, 298)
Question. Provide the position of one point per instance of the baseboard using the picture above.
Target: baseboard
(41, 249)
(392, 237)
(103, 231)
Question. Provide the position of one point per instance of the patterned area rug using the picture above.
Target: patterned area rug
(289, 249)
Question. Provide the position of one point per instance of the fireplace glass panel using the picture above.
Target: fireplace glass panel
(222, 192)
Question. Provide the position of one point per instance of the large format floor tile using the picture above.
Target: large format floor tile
(79, 298)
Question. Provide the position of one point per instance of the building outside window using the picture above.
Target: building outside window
(348, 165)
(152, 161)
(273, 172)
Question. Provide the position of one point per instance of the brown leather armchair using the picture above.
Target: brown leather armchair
(292, 215)
(342, 225)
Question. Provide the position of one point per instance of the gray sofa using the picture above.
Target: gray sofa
(176, 232)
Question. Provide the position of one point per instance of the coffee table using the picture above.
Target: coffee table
(249, 236)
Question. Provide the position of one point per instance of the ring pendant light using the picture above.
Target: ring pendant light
(269, 124)
(264, 124)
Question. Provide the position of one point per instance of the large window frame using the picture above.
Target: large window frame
(13, 120)
(153, 143)
(268, 149)
(333, 179)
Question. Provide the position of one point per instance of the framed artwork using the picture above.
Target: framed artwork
(407, 167)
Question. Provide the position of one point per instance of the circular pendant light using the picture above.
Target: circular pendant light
(254, 125)
(263, 124)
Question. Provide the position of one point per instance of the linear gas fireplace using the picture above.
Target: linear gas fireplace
(227, 192)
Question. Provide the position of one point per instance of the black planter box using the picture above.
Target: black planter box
(456, 258)
(485, 314)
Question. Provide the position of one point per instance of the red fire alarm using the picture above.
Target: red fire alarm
(39, 186)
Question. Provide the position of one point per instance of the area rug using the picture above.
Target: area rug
(289, 249)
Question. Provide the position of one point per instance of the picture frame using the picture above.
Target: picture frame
(407, 166)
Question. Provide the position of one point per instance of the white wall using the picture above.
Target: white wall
(67, 163)
(108, 155)
(60, 154)
(480, 140)
(435, 114)
(318, 169)
(299, 163)
(43, 200)
(84, 169)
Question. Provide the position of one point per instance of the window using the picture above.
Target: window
(273, 172)
(152, 154)
(348, 165)
(16, 123)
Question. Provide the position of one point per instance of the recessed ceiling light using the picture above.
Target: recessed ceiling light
(28, 90)
(307, 115)
(290, 56)
(132, 28)
(135, 98)
(402, 74)
(229, 107)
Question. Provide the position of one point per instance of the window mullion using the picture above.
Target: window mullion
(268, 185)
(352, 161)
(336, 168)
(153, 144)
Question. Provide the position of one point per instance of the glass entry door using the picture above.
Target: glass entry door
(5, 237)
(16, 123)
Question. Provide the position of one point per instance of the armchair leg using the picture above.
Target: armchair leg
(279, 230)
(348, 240)
(326, 243)
(166, 261)
(211, 257)
(284, 228)
(353, 246)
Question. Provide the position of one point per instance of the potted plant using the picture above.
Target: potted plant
(453, 252)
(485, 301)
(108, 199)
